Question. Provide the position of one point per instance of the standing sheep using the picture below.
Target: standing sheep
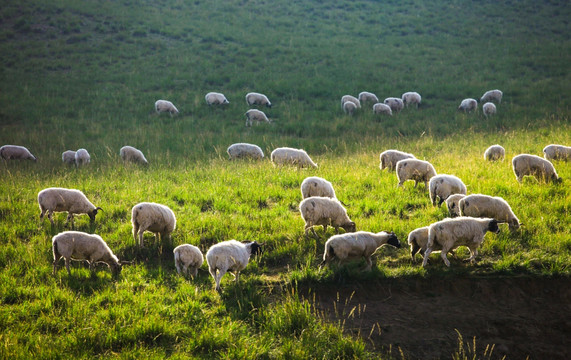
(489, 109)
(492, 95)
(318, 210)
(352, 99)
(443, 186)
(396, 104)
(316, 186)
(132, 155)
(468, 105)
(187, 259)
(165, 106)
(68, 157)
(532, 165)
(411, 97)
(389, 158)
(478, 205)
(244, 150)
(214, 98)
(366, 96)
(557, 152)
(349, 107)
(156, 218)
(494, 153)
(82, 157)
(414, 169)
(452, 204)
(255, 115)
(286, 155)
(60, 199)
(232, 256)
(16, 152)
(381, 108)
(254, 98)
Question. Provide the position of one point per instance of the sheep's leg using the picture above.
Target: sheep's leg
(195, 272)
(237, 277)
(443, 256)
(426, 255)
(415, 183)
(369, 264)
(50, 216)
(42, 213)
(218, 278)
(67, 261)
(414, 249)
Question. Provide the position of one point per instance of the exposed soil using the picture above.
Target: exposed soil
(523, 317)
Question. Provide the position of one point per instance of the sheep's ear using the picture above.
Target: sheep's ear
(125, 262)
(98, 208)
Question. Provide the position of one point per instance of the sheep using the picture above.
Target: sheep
(319, 210)
(557, 152)
(16, 152)
(452, 204)
(165, 106)
(156, 218)
(232, 256)
(287, 155)
(316, 186)
(82, 157)
(448, 234)
(526, 164)
(489, 109)
(132, 155)
(77, 245)
(366, 96)
(214, 98)
(478, 205)
(494, 153)
(381, 108)
(389, 158)
(187, 259)
(68, 157)
(244, 150)
(418, 239)
(492, 95)
(349, 107)
(443, 186)
(254, 98)
(255, 115)
(60, 199)
(395, 103)
(414, 169)
(468, 105)
(355, 245)
(411, 97)
(350, 98)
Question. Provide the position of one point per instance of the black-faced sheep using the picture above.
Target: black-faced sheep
(230, 256)
(214, 98)
(254, 98)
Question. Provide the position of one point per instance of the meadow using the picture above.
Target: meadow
(86, 74)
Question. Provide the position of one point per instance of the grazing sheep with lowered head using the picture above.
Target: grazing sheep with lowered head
(286, 155)
(414, 169)
(230, 256)
(16, 152)
(165, 106)
(244, 150)
(254, 98)
(352, 99)
(411, 97)
(396, 104)
(187, 259)
(452, 204)
(468, 105)
(495, 152)
(492, 95)
(349, 107)
(381, 108)
(532, 165)
(557, 152)
(316, 186)
(68, 157)
(82, 157)
(60, 199)
(389, 158)
(319, 210)
(255, 115)
(366, 96)
(214, 98)
(443, 186)
(156, 218)
(478, 205)
(132, 155)
(489, 109)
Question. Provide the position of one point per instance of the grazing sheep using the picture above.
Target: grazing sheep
(366, 96)
(443, 186)
(356, 245)
(60, 199)
(468, 105)
(452, 204)
(396, 104)
(319, 210)
(492, 95)
(352, 99)
(255, 115)
(156, 218)
(380, 108)
(214, 98)
(232, 256)
(494, 153)
(68, 157)
(526, 164)
(349, 107)
(414, 169)
(16, 152)
(557, 152)
(244, 150)
(389, 158)
(489, 109)
(254, 98)
(286, 155)
(82, 157)
(165, 106)
(448, 234)
(411, 97)
(316, 186)
(132, 155)
(187, 259)
(76, 245)
(478, 205)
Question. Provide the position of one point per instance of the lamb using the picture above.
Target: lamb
(494, 153)
(352, 99)
(448, 234)
(187, 259)
(381, 108)
(526, 164)
(355, 245)
(492, 95)
(389, 158)
(316, 186)
(255, 115)
(395, 103)
(452, 204)
(232, 256)
(82, 157)
(489, 109)
(468, 105)
(244, 150)
(319, 210)
(60, 199)
(411, 97)
(349, 107)
(77, 245)
(165, 106)
(414, 169)
(254, 98)
(557, 152)
(443, 186)
(16, 152)
(68, 157)
(214, 98)
(132, 155)
(478, 205)
(366, 96)
(156, 218)
(286, 155)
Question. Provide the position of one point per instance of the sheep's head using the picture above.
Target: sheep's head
(349, 227)
(255, 248)
(493, 226)
(93, 213)
(514, 224)
(393, 240)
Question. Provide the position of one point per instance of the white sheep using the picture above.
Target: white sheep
(244, 150)
(316, 186)
(356, 245)
(478, 205)
(214, 98)
(132, 155)
(442, 186)
(452, 204)
(82, 157)
(319, 210)
(396, 104)
(187, 259)
(494, 153)
(411, 97)
(557, 152)
(165, 106)
(492, 95)
(381, 108)
(68, 157)
(255, 115)
(526, 164)
(230, 256)
(16, 152)
(60, 199)
(468, 105)
(448, 234)
(156, 218)
(349, 107)
(286, 155)
(414, 169)
(76, 245)
(389, 158)
(489, 109)
(418, 240)
(366, 96)
(254, 98)
(350, 98)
